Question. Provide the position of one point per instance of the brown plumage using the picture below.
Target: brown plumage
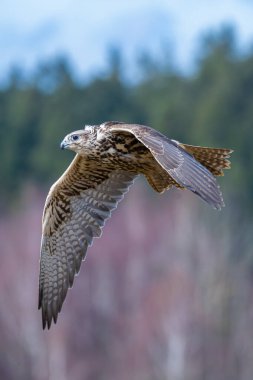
(214, 159)
(109, 157)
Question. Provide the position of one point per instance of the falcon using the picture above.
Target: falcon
(109, 157)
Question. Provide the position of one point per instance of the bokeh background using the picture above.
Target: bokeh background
(167, 292)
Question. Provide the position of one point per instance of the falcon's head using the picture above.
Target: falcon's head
(79, 140)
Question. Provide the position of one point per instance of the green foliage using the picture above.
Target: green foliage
(213, 107)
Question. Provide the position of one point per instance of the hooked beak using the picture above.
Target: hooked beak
(63, 145)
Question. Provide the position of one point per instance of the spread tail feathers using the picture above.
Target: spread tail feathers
(214, 159)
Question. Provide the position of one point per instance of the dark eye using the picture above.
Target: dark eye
(75, 137)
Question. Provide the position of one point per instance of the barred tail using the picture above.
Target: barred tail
(214, 159)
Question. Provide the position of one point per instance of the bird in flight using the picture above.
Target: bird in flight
(108, 159)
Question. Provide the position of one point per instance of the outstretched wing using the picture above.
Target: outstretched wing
(75, 212)
(178, 163)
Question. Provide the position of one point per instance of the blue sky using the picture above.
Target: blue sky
(31, 31)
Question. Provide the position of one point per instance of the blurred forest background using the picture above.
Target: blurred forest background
(167, 292)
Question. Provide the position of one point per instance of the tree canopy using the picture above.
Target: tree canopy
(212, 106)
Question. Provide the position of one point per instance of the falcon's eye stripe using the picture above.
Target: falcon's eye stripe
(75, 137)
